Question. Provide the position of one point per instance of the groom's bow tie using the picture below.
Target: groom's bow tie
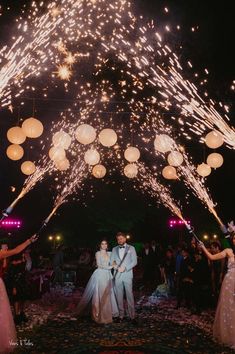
(121, 246)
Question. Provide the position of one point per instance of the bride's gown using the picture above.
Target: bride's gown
(7, 326)
(224, 324)
(99, 291)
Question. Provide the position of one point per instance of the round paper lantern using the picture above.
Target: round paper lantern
(215, 160)
(16, 135)
(92, 157)
(108, 137)
(15, 152)
(175, 158)
(132, 154)
(85, 134)
(203, 170)
(163, 143)
(169, 172)
(131, 170)
(214, 139)
(62, 139)
(62, 165)
(28, 168)
(99, 171)
(57, 153)
(32, 127)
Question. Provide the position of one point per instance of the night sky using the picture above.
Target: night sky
(210, 46)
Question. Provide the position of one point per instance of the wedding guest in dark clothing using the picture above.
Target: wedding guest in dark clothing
(168, 267)
(185, 280)
(18, 286)
(148, 261)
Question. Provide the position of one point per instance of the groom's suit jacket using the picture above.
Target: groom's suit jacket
(129, 262)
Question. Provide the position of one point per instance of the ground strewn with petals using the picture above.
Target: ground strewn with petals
(53, 328)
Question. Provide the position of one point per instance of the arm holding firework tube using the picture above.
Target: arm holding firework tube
(18, 249)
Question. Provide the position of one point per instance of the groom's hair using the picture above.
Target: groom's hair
(121, 234)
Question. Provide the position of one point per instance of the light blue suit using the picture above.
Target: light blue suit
(124, 280)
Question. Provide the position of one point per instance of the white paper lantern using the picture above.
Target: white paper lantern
(175, 158)
(62, 165)
(203, 170)
(62, 139)
(57, 153)
(131, 170)
(16, 135)
(108, 137)
(92, 157)
(132, 154)
(215, 160)
(28, 168)
(15, 152)
(169, 172)
(32, 127)
(99, 171)
(85, 134)
(163, 143)
(214, 139)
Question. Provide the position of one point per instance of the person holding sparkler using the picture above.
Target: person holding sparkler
(8, 339)
(224, 323)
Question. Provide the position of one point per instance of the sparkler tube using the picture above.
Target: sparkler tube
(191, 231)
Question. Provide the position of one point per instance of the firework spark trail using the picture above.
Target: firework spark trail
(157, 190)
(140, 54)
(31, 182)
(187, 171)
(71, 183)
(31, 51)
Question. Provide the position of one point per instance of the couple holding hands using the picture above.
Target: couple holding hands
(110, 282)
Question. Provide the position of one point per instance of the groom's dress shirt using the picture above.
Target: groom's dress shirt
(122, 250)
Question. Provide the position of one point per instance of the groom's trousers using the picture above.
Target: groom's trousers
(121, 286)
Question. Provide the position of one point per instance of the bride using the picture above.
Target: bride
(8, 339)
(99, 290)
(224, 323)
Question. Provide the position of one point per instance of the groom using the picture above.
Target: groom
(124, 259)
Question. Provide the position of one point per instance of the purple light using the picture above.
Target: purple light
(11, 223)
(175, 222)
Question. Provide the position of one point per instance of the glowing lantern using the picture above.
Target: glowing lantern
(57, 153)
(131, 170)
(92, 157)
(108, 137)
(203, 170)
(169, 172)
(62, 139)
(99, 171)
(16, 135)
(85, 134)
(28, 168)
(175, 158)
(32, 127)
(214, 139)
(132, 154)
(163, 143)
(15, 152)
(215, 160)
(62, 165)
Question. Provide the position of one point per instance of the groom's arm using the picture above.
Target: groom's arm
(133, 262)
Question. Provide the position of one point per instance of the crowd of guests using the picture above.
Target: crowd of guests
(187, 273)
(185, 270)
